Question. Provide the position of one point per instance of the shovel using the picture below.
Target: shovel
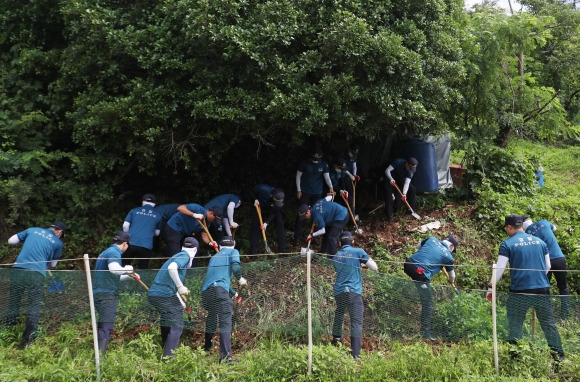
(56, 285)
(357, 230)
(259, 211)
(452, 283)
(188, 308)
(207, 232)
(132, 275)
(415, 215)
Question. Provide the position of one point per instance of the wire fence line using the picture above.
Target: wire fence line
(274, 301)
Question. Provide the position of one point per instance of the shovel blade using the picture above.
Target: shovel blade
(415, 215)
(267, 248)
(55, 286)
(358, 230)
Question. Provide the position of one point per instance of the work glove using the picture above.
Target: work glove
(309, 238)
(238, 298)
(234, 225)
(489, 294)
(198, 216)
(213, 244)
(128, 268)
(263, 227)
(393, 182)
(344, 194)
(242, 281)
(404, 198)
(352, 177)
(256, 203)
(182, 290)
(357, 178)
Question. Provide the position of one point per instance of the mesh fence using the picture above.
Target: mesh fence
(274, 302)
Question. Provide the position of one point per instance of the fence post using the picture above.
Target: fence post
(93, 316)
(309, 299)
(494, 316)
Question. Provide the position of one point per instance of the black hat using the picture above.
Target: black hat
(122, 237)
(278, 197)
(346, 237)
(227, 241)
(58, 225)
(453, 241)
(190, 242)
(514, 220)
(302, 210)
(149, 198)
(218, 213)
(317, 153)
(412, 162)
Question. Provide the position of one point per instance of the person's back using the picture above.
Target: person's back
(526, 255)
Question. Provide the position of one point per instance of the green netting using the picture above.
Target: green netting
(274, 302)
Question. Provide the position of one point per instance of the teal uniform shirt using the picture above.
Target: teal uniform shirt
(347, 263)
(526, 255)
(41, 246)
(432, 256)
(219, 271)
(312, 179)
(325, 213)
(167, 210)
(184, 224)
(545, 231)
(103, 280)
(144, 221)
(163, 285)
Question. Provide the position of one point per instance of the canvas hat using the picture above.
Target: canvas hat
(149, 198)
(453, 241)
(302, 210)
(218, 214)
(190, 242)
(346, 237)
(514, 220)
(278, 197)
(122, 237)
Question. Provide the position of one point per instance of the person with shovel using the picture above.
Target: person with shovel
(267, 207)
(432, 256)
(108, 274)
(143, 224)
(545, 231)
(348, 290)
(166, 292)
(186, 222)
(228, 203)
(329, 218)
(41, 249)
(311, 175)
(529, 262)
(351, 171)
(215, 296)
(398, 185)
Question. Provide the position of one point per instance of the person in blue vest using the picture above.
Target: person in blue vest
(271, 201)
(351, 156)
(329, 218)
(164, 294)
(311, 175)
(143, 224)
(545, 231)
(185, 223)
(41, 249)
(215, 296)
(348, 290)
(108, 274)
(529, 263)
(339, 178)
(228, 203)
(400, 173)
(166, 211)
(432, 256)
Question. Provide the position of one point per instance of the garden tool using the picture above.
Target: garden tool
(304, 251)
(259, 211)
(451, 282)
(207, 232)
(357, 230)
(415, 215)
(137, 278)
(188, 308)
(56, 285)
